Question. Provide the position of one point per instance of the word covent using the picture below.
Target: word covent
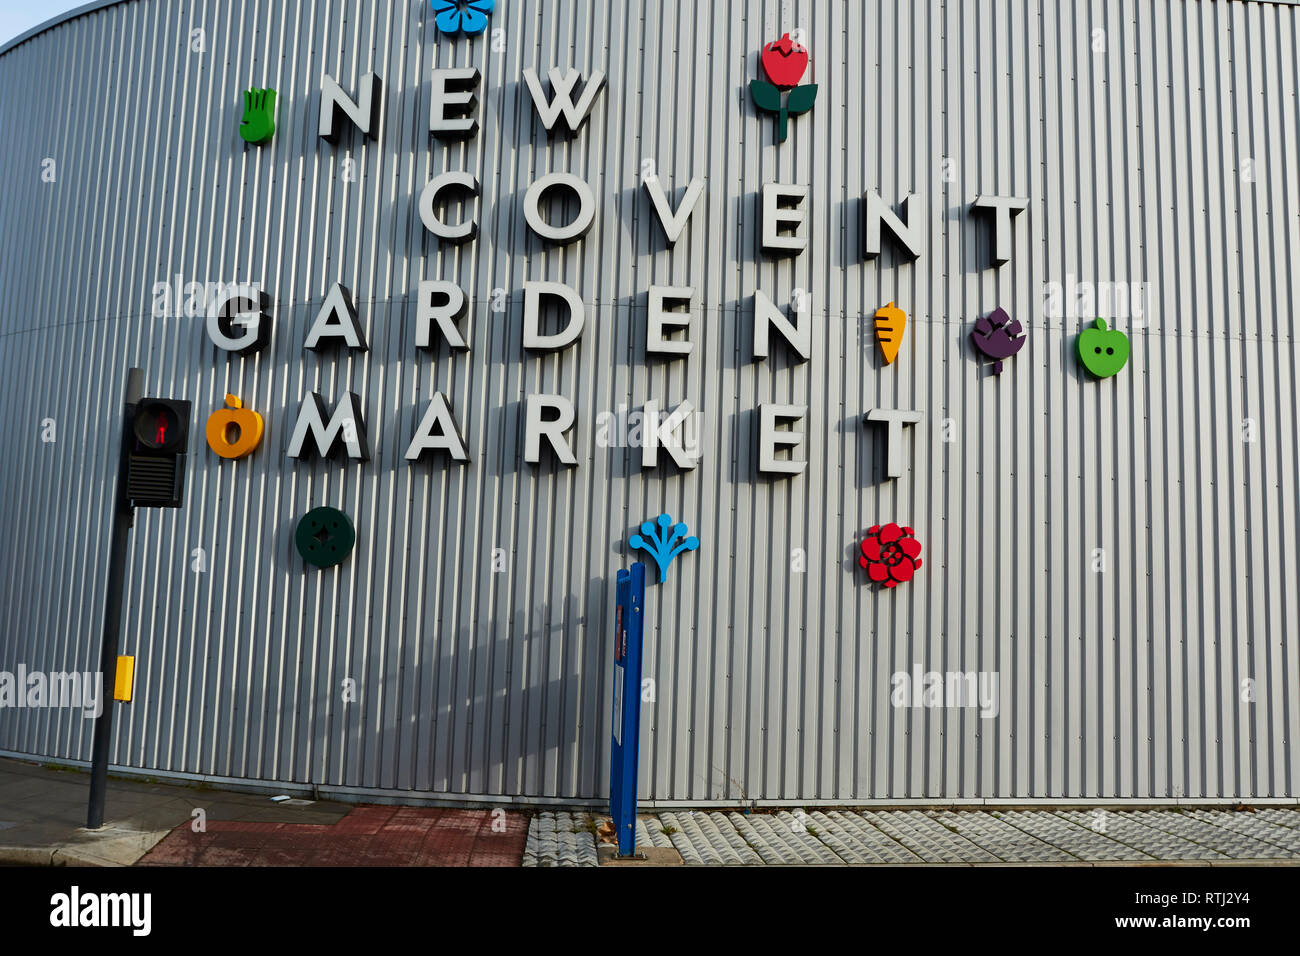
(238, 319)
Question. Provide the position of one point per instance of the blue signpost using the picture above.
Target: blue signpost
(628, 629)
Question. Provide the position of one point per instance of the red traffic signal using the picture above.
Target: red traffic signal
(155, 476)
(162, 424)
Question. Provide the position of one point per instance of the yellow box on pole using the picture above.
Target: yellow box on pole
(124, 683)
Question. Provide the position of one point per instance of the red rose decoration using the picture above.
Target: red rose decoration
(890, 554)
(784, 62)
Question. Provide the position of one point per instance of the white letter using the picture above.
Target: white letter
(784, 223)
(141, 913)
(446, 315)
(553, 430)
(560, 235)
(222, 319)
(1003, 208)
(562, 84)
(902, 693)
(438, 432)
(799, 336)
(673, 222)
(456, 88)
(337, 319)
(533, 339)
(658, 316)
(907, 232)
(461, 232)
(59, 915)
(658, 435)
(162, 300)
(327, 439)
(769, 438)
(895, 419)
(91, 705)
(364, 114)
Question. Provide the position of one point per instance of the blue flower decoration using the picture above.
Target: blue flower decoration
(661, 541)
(467, 16)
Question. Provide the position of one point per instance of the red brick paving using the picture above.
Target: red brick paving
(368, 836)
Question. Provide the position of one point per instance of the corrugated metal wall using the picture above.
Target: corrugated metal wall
(771, 683)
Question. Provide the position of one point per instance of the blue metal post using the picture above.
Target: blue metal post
(628, 631)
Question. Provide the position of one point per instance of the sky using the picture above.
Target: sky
(19, 16)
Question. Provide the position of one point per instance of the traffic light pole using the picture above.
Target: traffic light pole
(123, 516)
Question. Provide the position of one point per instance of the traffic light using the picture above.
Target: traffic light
(155, 476)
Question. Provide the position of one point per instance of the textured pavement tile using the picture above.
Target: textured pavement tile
(1205, 834)
(1284, 837)
(927, 838)
(217, 856)
(452, 838)
(1000, 838)
(971, 836)
(1281, 817)
(1073, 835)
(709, 838)
(420, 836)
(411, 822)
(365, 820)
(174, 854)
(270, 856)
(855, 840)
(650, 832)
(467, 838)
(1200, 831)
(1145, 842)
(552, 841)
(782, 839)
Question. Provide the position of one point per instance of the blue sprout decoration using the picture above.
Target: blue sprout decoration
(660, 543)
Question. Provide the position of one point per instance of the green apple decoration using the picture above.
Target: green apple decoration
(1103, 351)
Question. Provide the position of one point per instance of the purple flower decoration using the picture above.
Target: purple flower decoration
(999, 337)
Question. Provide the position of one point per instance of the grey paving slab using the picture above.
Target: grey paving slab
(1079, 837)
(709, 839)
(783, 839)
(874, 837)
(927, 838)
(1121, 826)
(1003, 840)
(855, 840)
(650, 832)
(1284, 818)
(1251, 824)
(560, 839)
(1202, 832)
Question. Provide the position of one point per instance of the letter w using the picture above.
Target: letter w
(563, 84)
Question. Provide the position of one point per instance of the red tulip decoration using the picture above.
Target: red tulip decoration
(784, 62)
